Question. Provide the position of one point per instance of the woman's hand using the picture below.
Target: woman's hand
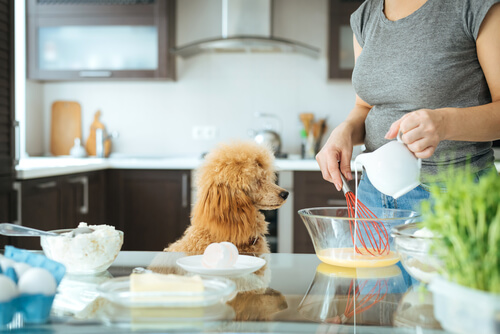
(338, 148)
(422, 130)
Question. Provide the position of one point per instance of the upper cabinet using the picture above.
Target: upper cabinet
(341, 53)
(109, 39)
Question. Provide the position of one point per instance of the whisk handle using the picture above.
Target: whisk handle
(345, 185)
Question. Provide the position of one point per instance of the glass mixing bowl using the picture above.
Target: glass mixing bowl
(342, 295)
(331, 230)
(413, 248)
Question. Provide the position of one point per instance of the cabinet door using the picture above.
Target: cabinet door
(341, 52)
(310, 191)
(42, 207)
(7, 206)
(151, 207)
(7, 141)
(82, 41)
(84, 199)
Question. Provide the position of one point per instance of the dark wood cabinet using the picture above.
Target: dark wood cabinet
(91, 40)
(151, 207)
(60, 202)
(7, 120)
(340, 47)
(311, 190)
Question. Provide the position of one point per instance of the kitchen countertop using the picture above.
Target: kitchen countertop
(37, 167)
(294, 293)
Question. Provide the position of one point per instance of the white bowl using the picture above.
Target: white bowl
(86, 254)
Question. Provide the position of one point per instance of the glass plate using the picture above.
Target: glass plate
(217, 289)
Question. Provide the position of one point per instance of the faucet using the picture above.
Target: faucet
(100, 140)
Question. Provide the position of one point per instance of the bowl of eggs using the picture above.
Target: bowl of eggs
(28, 283)
(86, 250)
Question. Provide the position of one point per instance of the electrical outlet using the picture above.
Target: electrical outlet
(204, 132)
(210, 132)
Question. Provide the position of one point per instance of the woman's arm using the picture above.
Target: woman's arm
(423, 129)
(339, 145)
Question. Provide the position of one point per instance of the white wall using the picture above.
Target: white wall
(221, 90)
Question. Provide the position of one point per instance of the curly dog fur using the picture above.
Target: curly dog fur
(234, 183)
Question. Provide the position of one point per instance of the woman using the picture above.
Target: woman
(431, 70)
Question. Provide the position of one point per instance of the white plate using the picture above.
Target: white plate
(244, 265)
(216, 289)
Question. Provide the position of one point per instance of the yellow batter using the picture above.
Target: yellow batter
(347, 257)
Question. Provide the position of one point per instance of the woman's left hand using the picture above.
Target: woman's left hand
(422, 130)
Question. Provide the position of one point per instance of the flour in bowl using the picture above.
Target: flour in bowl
(85, 253)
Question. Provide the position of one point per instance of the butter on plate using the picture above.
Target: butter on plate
(145, 282)
(154, 287)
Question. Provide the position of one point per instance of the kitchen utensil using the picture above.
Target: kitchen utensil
(78, 151)
(392, 168)
(356, 304)
(92, 140)
(329, 229)
(306, 119)
(13, 230)
(364, 231)
(269, 136)
(65, 126)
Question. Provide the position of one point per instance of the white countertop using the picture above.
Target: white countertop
(37, 167)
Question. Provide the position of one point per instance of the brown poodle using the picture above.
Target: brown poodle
(234, 183)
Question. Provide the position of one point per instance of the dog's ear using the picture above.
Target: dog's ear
(227, 212)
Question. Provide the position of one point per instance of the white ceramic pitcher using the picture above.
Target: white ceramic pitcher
(392, 168)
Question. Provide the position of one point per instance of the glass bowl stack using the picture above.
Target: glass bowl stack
(331, 230)
(413, 245)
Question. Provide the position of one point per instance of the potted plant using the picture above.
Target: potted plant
(467, 216)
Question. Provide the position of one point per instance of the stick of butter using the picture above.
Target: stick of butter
(163, 284)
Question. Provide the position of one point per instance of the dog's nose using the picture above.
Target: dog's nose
(284, 194)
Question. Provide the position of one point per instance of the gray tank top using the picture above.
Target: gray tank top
(425, 60)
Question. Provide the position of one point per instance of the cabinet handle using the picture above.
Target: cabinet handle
(17, 188)
(17, 142)
(184, 190)
(84, 180)
(46, 185)
(336, 202)
(95, 74)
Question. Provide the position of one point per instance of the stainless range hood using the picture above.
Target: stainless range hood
(245, 26)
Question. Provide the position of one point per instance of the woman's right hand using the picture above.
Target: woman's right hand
(335, 156)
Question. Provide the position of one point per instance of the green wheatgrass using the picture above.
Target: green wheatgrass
(467, 216)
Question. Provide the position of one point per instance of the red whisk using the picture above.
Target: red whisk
(367, 227)
(356, 305)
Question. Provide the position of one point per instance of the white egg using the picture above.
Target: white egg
(37, 281)
(220, 255)
(8, 289)
(212, 255)
(6, 263)
(233, 252)
(20, 268)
